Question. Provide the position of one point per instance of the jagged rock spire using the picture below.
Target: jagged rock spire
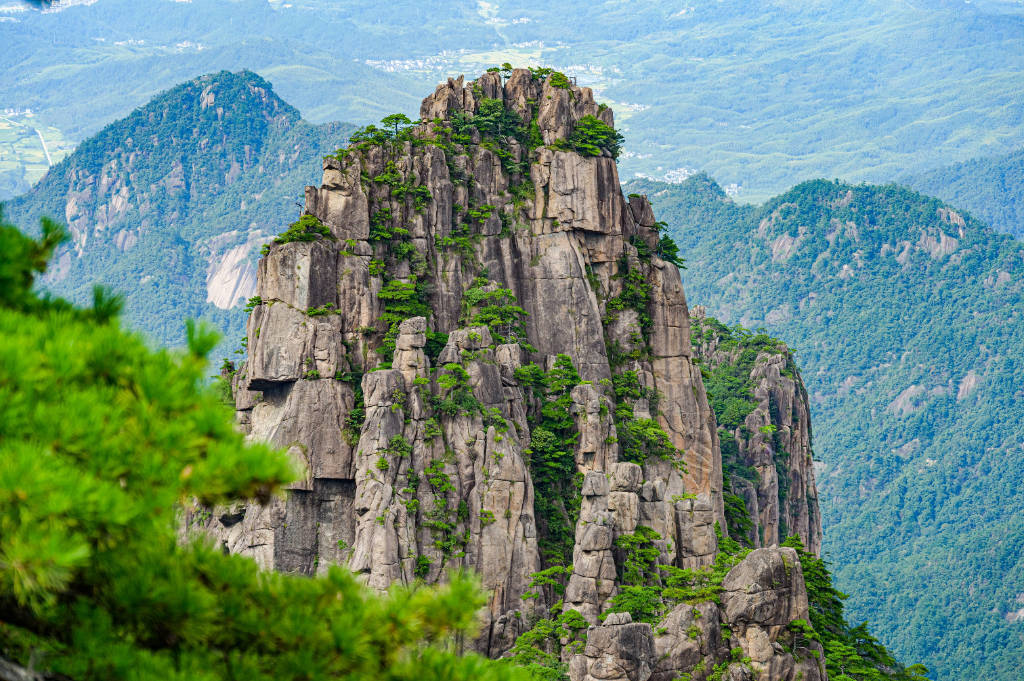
(480, 361)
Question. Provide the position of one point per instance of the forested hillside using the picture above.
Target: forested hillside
(171, 204)
(908, 322)
(991, 188)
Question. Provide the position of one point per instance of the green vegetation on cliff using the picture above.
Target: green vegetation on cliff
(552, 457)
(592, 137)
(94, 582)
(908, 320)
(851, 653)
(729, 385)
(650, 590)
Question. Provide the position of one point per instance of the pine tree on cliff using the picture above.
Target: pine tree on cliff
(101, 441)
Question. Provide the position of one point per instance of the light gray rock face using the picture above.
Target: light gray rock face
(301, 275)
(688, 635)
(695, 528)
(774, 441)
(437, 494)
(782, 402)
(762, 595)
(766, 589)
(307, 418)
(379, 358)
(621, 650)
(278, 355)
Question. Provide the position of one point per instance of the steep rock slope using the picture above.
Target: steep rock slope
(909, 322)
(474, 351)
(169, 204)
(764, 424)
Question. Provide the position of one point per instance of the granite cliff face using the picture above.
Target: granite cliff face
(472, 347)
(768, 452)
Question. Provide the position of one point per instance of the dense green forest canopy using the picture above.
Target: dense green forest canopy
(908, 324)
(990, 188)
(102, 440)
(851, 652)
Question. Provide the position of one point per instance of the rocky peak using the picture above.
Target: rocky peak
(475, 351)
(555, 104)
(765, 433)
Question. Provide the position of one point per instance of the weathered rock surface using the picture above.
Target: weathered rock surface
(620, 650)
(688, 635)
(747, 638)
(767, 588)
(376, 358)
(762, 595)
(774, 441)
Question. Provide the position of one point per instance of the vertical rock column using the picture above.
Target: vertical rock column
(610, 506)
(687, 417)
(782, 403)
(774, 439)
(286, 394)
(439, 490)
(583, 228)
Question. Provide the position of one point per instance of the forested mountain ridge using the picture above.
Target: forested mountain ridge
(170, 204)
(991, 188)
(908, 321)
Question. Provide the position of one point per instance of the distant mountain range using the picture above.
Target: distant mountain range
(759, 93)
(171, 204)
(908, 322)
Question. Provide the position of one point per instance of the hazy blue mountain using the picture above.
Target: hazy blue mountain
(992, 188)
(759, 93)
(908, 322)
(171, 204)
